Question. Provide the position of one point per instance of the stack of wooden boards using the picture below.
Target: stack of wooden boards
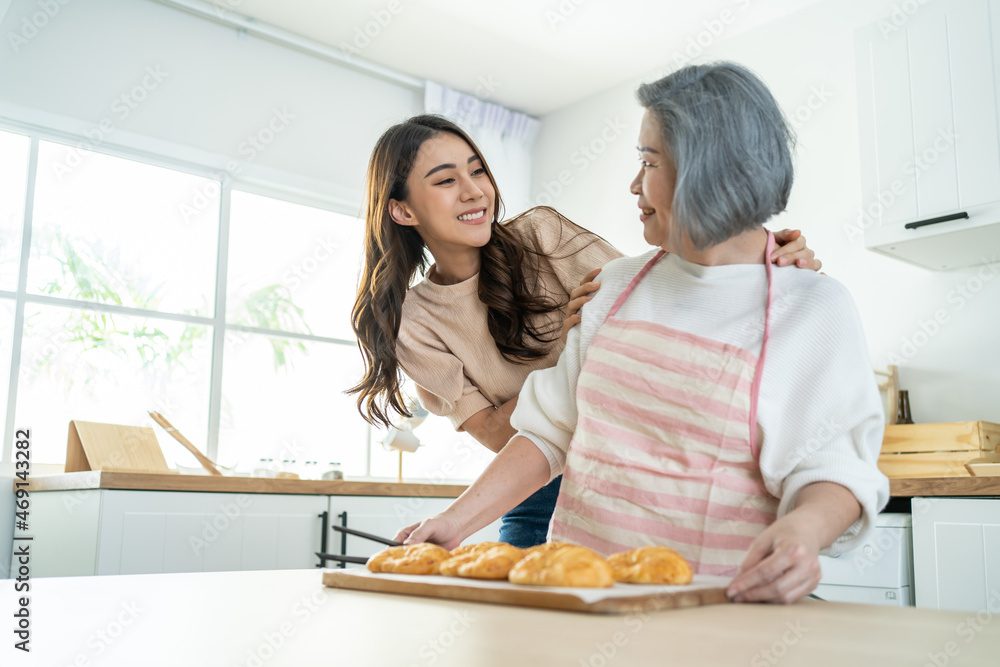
(936, 450)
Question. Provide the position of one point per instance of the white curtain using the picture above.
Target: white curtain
(505, 138)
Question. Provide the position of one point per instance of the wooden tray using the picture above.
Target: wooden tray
(619, 599)
(935, 450)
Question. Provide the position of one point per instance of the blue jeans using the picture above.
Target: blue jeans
(528, 524)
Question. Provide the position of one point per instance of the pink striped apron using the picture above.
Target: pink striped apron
(665, 449)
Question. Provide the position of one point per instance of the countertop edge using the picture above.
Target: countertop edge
(137, 481)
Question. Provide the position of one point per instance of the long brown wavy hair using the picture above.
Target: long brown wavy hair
(395, 253)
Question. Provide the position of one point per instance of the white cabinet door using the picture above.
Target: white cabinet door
(971, 49)
(929, 128)
(384, 516)
(956, 553)
(889, 85)
(144, 532)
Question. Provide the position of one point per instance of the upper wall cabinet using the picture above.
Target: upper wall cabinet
(928, 85)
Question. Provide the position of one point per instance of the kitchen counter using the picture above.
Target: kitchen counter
(287, 618)
(944, 486)
(109, 479)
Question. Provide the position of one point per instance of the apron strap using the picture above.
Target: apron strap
(635, 281)
(758, 371)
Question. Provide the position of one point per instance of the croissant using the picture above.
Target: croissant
(489, 560)
(423, 558)
(563, 565)
(651, 565)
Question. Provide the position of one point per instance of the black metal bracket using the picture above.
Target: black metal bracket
(343, 537)
(325, 516)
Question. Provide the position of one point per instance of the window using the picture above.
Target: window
(291, 353)
(150, 287)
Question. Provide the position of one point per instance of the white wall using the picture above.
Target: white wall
(213, 89)
(805, 58)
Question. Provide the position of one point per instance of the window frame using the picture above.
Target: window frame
(227, 183)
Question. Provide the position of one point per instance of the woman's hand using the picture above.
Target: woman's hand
(440, 529)
(579, 296)
(792, 249)
(782, 565)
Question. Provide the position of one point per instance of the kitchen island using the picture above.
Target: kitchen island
(287, 618)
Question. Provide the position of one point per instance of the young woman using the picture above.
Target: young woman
(707, 402)
(487, 312)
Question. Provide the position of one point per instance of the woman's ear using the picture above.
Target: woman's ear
(401, 214)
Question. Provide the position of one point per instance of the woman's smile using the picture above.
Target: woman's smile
(474, 216)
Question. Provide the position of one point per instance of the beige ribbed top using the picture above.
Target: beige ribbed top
(444, 343)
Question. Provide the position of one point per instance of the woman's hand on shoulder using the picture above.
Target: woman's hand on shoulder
(579, 296)
(782, 565)
(792, 249)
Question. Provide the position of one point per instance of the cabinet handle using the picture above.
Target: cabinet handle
(934, 221)
(325, 516)
(343, 537)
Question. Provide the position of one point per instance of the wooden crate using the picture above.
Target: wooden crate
(935, 450)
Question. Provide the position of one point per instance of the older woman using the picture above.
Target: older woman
(707, 402)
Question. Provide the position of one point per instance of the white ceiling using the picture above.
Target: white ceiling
(531, 55)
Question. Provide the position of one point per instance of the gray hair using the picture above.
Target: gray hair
(730, 144)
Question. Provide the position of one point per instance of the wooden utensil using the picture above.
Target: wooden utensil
(205, 462)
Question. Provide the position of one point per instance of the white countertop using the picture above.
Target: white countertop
(287, 618)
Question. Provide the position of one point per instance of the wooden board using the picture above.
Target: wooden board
(96, 446)
(619, 599)
(926, 464)
(948, 437)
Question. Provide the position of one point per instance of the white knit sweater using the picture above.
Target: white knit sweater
(819, 415)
